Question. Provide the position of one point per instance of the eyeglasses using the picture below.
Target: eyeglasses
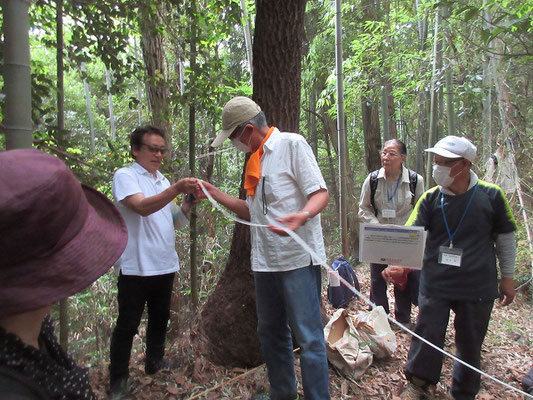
(448, 163)
(155, 149)
(238, 130)
(390, 153)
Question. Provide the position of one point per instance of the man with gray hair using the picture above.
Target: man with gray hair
(282, 182)
(469, 223)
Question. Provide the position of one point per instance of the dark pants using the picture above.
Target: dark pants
(403, 298)
(133, 293)
(471, 323)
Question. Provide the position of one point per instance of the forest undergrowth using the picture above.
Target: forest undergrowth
(506, 353)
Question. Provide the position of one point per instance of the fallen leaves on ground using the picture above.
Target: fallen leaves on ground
(506, 354)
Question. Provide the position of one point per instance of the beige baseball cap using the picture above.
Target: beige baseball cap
(236, 111)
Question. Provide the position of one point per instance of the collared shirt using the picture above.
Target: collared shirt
(289, 174)
(401, 202)
(151, 239)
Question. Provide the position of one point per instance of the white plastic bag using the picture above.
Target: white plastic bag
(382, 340)
(345, 349)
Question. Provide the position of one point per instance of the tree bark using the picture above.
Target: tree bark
(370, 104)
(228, 320)
(152, 49)
(372, 136)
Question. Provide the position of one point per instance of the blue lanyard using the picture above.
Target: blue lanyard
(396, 189)
(450, 235)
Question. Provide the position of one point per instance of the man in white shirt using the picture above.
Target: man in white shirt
(147, 267)
(283, 182)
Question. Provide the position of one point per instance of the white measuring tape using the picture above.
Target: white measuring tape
(306, 247)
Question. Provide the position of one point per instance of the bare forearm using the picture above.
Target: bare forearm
(316, 202)
(236, 205)
(148, 205)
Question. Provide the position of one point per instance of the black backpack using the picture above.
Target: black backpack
(413, 180)
(340, 296)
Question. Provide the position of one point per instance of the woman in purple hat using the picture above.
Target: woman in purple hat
(57, 236)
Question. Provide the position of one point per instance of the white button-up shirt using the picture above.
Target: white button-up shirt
(289, 174)
(151, 240)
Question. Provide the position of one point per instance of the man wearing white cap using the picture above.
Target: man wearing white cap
(283, 183)
(469, 223)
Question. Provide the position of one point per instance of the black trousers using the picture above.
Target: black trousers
(133, 293)
(403, 298)
(471, 323)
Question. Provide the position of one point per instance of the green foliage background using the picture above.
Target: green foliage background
(105, 35)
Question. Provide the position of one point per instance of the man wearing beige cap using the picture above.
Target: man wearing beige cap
(282, 182)
(469, 223)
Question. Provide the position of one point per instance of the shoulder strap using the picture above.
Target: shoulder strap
(14, 385)
(373, 186)
(413, 180)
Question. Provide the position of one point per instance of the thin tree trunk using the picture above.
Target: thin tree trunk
(247, 36)
(88, 104)
(434, 93)
(63, 304)
(17, 121)
(450, 109)
(422, 100)
(110, 105)
(192, 161)
(341, 130)
(385, 111)
(313, 137)
(487, 87)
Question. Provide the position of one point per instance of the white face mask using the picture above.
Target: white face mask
(247, 148)
(441, 175)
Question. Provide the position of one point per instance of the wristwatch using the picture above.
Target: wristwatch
(306, 213)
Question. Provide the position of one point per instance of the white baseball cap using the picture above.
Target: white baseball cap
(454, 147)
(236, 111)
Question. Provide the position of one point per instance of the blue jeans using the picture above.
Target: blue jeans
(290, 301)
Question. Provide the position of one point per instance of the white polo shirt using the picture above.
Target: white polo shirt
(289, 173)
(151, 240)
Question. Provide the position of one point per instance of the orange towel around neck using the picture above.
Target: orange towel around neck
(253, 167)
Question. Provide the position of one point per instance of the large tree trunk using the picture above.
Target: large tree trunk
(277, 61)
(228, 320)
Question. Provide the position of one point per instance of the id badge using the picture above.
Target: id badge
(450, 256)
(388, 213)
